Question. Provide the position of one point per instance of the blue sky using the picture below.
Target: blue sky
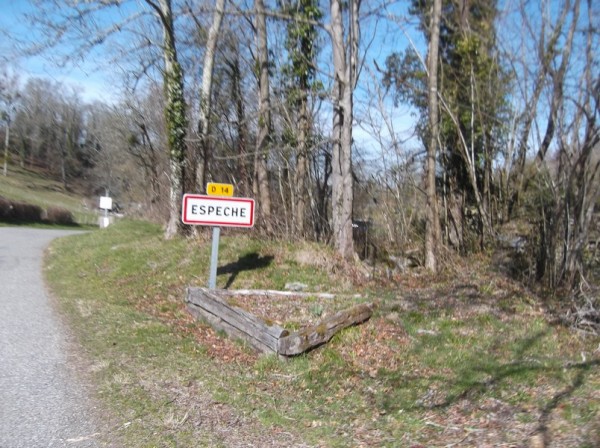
(101, 82)
(94, 81)
(87, 73)
(84, 76)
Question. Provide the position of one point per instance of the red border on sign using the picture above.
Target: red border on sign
(185, 219)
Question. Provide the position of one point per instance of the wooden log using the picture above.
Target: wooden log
(235, 321)
(308, 338)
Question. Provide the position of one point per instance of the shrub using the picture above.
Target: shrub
(14, 211)
(6, 209)
(58, 215)
(23, 212)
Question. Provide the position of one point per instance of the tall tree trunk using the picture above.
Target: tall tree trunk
(244, 178)
(432, 222)
(202, 173)
(322, 172)
(175, 117)
(301, 175)
(344, 65)
(264, 118)
(302, 44)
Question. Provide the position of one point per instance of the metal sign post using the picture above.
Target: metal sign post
(217, 211)
(214, 257)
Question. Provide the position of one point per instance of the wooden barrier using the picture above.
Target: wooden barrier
(239, 323)
(235, 321)
(311, 337)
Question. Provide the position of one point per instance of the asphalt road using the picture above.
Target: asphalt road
(44, 400)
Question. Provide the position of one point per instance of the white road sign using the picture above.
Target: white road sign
(105, 202)
(217, 211)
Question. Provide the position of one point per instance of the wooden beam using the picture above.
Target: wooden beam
(235, 321)
(239, 323)
(309, 338)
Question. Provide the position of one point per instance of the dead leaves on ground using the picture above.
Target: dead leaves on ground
(379, 344)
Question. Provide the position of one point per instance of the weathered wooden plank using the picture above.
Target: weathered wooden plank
(263, 344)
(219, 306)
(233, 332)
(233, 320)
(303, 340)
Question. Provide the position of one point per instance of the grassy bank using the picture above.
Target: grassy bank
(467, 360)
(35, 187)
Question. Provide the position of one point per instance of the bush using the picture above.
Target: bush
(21, 212)
(6, 209)
(58, 215)
(13, 211)
(27, 213)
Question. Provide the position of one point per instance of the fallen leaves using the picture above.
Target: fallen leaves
(371, 351)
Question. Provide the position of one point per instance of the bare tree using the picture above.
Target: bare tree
(204, 121)
(107, 136)
(432, 223)
(264, 117)
(345, 66)
(546, 46)
(554, 178)
(175, 116)
(89, 24)
(566, 220)
(234, 108)
(124, 142)
(144, 142)
(68, 119)
(9, 96)
(299, 72)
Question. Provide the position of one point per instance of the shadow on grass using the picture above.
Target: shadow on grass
(496, 372)
(480, 373)
(464, 299)
(582, 369)
(248, 262)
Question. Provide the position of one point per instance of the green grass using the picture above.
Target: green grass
(34, 187)
(398, 382)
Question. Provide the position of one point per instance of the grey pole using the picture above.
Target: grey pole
(106, 210)
(214, 256)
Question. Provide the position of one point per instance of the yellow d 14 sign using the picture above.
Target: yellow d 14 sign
(215, 189)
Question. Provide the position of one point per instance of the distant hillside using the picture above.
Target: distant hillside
(37, 188)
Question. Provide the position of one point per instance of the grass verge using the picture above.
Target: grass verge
(470, 359)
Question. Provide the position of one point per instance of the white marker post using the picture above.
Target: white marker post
(217, 211)
(106, 205)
